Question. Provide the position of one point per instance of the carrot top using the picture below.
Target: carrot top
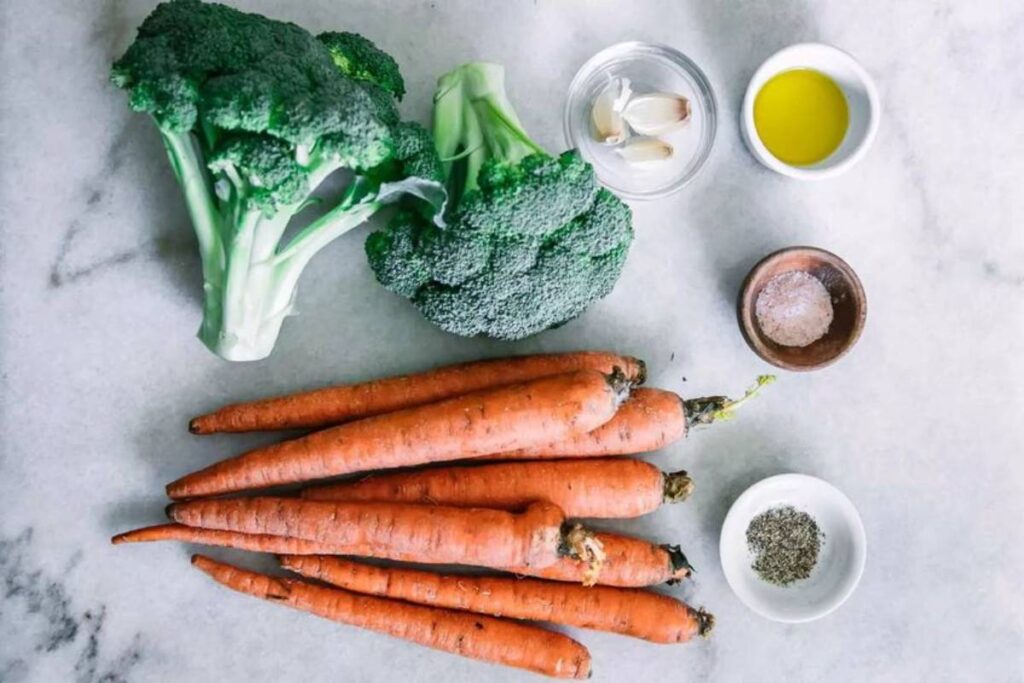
(709, 409)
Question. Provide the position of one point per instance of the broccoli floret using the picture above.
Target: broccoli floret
(264, 167)
(531, 239)
(360, 59)
(255, 114)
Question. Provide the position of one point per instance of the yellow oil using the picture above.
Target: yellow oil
(801, 116)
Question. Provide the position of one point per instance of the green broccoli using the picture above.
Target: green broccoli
(255, 114)
(530, 239)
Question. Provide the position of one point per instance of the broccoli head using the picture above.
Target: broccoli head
(530, 239)
(255, 114)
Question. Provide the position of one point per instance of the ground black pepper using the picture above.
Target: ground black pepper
(785, 543)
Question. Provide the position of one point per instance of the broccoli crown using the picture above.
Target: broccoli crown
(513, 279)
(211, 68)
(531, 239)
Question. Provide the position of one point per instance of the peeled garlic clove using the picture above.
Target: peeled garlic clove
(606, 113)
(657, 113)
(645, 150)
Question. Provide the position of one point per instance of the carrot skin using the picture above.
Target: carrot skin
(261, 543)
(337, 404)
(629, 563)
(488, 422)
(632, 612)
(596, 488)
(650, 419)
(420, 533)
(475, 636)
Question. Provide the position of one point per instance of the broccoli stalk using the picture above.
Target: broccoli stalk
(531, 239)
(249, 277)
(254, 115)
(474, 122)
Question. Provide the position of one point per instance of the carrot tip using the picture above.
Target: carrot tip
(641, 371)
(681, 567)
(169, 511)
(705, 622)
(678, 487)
(117, 540)
(194, 426)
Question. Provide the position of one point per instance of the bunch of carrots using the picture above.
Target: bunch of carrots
(544, 426)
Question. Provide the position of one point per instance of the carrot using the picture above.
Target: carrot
(649, 420)
(261, 543)
(337, 404)
(606, 487)
(631, 612)
(489, 639)
(491, 421)
(627, 562)
(418, 533)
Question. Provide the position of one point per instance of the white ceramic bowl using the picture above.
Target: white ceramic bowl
(861, 98)
(840, 562)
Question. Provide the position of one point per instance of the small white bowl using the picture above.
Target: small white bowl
(840, 561)
(861, 98)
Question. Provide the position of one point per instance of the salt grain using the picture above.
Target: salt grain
(794, 309)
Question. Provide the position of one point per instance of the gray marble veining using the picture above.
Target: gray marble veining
(920, 425)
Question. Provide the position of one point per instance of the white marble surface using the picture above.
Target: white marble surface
(921, 425)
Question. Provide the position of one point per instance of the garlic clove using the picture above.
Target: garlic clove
(657, 113)
(606, 113)
(645, 150)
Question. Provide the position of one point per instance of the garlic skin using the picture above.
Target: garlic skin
(641, 151)
(606, 113)
(657, 113)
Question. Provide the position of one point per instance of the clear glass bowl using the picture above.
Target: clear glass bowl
(649, 68)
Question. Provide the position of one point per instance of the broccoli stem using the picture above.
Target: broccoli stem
(242, 321)
(289, 264)
(190, 170)
(474, 121)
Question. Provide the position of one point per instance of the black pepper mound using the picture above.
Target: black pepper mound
(785, 543)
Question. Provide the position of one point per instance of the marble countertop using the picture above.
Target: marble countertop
(921, 425)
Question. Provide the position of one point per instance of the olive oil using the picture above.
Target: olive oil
(801, 116)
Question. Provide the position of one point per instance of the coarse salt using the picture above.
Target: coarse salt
(794, 309)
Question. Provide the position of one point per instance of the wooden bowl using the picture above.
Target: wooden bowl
(849, 306)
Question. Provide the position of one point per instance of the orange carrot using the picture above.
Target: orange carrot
(334, 405)
(649, 420)
(261, 543)
(475, 636)
(631, 612)
(604, 487)
(419, 533)
(491, 421)
(629, 562)
(626, 562)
